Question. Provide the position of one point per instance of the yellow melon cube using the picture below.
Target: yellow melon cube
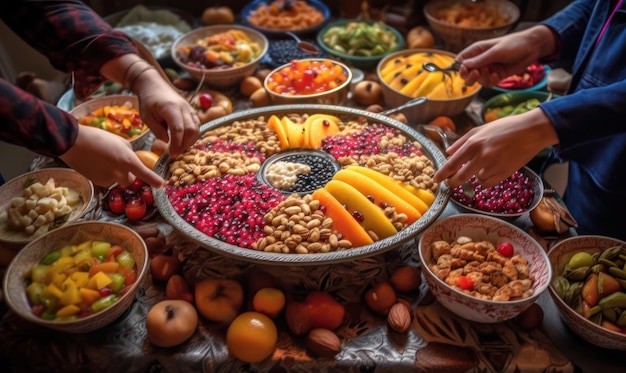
(80, 278)
(58, 278)
(88, 296)
(54, 290)
(98, 281)
(69, 310)
(70, 294)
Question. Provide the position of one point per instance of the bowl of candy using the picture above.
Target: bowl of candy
(77, 278)
(514, 196)
(37, 202)
(482, 268)
(360, 44)
(220, 55)
(460, 23)
(309, 81)
(589, 288)
(118, 114)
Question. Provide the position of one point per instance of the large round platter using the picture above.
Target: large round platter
(428, 149)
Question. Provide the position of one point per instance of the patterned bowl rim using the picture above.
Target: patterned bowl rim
(378, 247)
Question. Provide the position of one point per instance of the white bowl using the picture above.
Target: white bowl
(65, 177)
(559, 255)
(220, 77)
(93, 104)
(15, 285)
(478, 228)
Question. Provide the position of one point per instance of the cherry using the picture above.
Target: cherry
(506, 249)
(205, 100)
(465, 283)
(135, 208)
(116, 202)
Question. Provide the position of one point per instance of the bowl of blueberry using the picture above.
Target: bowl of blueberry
(303, 184)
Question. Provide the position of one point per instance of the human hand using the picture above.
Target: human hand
(494, 151)
(490, 61)
(106, 159)
(170, 117)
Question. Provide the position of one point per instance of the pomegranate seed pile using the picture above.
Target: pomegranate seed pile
(513, 195)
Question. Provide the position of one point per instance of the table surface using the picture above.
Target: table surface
(367, 344)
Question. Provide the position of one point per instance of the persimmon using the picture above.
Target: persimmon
(251, 337)
(325, 311)
(444, 122)
(381, 297)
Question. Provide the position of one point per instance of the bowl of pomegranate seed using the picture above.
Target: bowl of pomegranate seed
(482, 268)
(303, 184)
(514, 196)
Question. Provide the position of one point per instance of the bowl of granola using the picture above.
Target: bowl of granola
(359, 184)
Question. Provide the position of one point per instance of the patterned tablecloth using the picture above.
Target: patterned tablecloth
(437, 340)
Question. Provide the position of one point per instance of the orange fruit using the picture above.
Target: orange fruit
(147, 157)
(269, 301)
(251, 337)
(406, 279)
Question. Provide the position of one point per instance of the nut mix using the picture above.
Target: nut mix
(482, 270)
(214, 187)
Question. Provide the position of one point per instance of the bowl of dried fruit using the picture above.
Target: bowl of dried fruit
(482, 268)
(37, 202)
(511, 198)
(303, 184)
(77, 278)
(589, 288)
(274, 17)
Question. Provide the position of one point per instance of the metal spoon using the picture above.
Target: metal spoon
(431, 67)
(304, 46)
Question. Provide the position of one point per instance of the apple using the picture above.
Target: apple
(171, 322)
(324, 310)
(219, 299)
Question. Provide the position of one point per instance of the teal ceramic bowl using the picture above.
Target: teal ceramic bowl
(488, 92)
(512, 99)
(366, 63)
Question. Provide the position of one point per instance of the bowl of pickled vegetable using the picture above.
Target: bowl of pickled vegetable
(360, 44)
(220, 55)
(589, 288)
(77, 278)
(118, 114)
(512, 103)
(309, 81)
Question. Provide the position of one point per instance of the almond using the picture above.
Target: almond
(399, 318)
(323, 342)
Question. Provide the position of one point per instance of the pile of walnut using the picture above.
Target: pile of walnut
(493, 276)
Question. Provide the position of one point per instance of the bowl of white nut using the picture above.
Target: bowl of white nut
(37, 202)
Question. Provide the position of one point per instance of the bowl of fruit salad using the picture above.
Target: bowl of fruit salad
(302, 184)
(220, 55)
(482, 268)
(589, 288)
(118, 114)
(309, 81)
(77, 278)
